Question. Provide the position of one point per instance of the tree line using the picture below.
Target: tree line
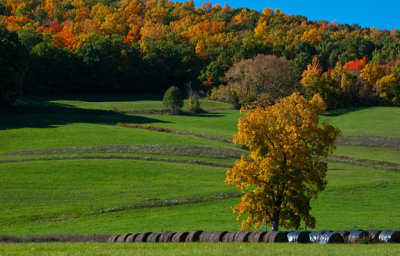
(84, 46)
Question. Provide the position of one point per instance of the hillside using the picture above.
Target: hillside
(68, 167)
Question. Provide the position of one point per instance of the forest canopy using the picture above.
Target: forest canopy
(84, 46)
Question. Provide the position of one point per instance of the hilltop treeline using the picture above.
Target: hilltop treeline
(86, 46)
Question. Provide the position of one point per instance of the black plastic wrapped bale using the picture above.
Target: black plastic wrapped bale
(179, 237)
(131, 238)
(374, 235)
(315, 236)
(345, 234)
(389, 236)
(113, 239)
(217, 236)
(257, 236)
(166, 236)
(229, 237)
(242, 236)
(194, 236)
(122, 238)
(359, 236)
(299, 237)
(275, 237)
(142, 237)
(205, 237)
(331, 238)
(153, 238)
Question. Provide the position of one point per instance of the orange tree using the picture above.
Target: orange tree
(285, 167)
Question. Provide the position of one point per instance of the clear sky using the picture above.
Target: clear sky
(383, 14)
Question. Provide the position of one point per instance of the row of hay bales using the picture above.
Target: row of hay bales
(323, 237)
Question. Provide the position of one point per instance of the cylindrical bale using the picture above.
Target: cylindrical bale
(153, 238)
(179, 237)
(142, 237)
(316, 235)
(275, 237)
(359, 236)
(205, 237)
(217, 236)
(389, 236)
(299, 237)
(229, 237)
(374, 235)
(112, 239)
(100, 238)
(122, 238)
(256, 236)
(331, 238)
(242, 236)
(166, 236)
(194, 236)
(345, 234)
(131, 238)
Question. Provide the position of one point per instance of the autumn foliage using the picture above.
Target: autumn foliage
(152, 44)
(286, 167)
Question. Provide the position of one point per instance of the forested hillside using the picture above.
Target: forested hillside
(87, 46)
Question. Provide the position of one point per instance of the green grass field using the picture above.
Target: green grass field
(67, 168)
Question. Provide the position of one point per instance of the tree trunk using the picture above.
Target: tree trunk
(265, 221)
(275, 220)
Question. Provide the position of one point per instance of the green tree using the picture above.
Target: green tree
(13, 56)
(173, 99)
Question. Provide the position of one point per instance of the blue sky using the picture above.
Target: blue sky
(384, 14)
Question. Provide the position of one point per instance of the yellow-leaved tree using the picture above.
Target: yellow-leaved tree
(285, 168)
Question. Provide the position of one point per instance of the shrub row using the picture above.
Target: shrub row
(323, 236)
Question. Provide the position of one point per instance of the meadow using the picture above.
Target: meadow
(69, 167)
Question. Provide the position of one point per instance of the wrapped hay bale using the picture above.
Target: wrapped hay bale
(315, 236)
(194, 236)
(389, 236)
(112, 239)
(179, 237)
(299, 237)
(374, 235)
(153, 238)
(217, 236)
(359, 236)
(242, 236)
(229, 237)
(122, 238)
(205, 237)
(330, 238)
(256, 236)
(131, 238)
(345, 234)
(166, 236)
(142, 237)
(275, 237)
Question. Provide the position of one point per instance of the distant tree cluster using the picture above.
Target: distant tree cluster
(148, 45)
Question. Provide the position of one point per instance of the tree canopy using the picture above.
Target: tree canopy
(147, 45)
(285, 168)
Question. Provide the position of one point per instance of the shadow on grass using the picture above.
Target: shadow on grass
(43, 114)
(339, 112)
(93, 97)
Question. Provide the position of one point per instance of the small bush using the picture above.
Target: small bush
(194, 104)
(173, 99)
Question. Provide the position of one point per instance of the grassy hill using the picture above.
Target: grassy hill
(68, 167)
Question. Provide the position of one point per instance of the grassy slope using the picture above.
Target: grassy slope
(391, 155)
(59, 196)
(198, 249)
(352, 196)
(377, 121)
